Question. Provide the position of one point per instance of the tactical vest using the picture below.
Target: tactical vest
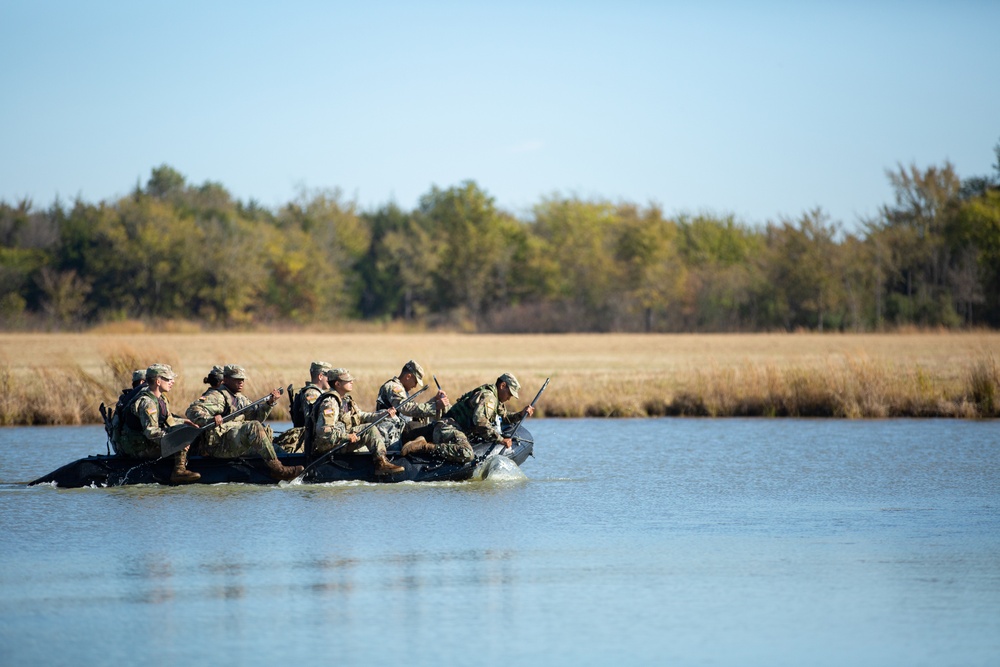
(228, 398)
(132, 421)
(464, 407)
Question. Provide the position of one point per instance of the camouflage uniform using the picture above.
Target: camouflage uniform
(244, 435)
(411, 415)
(147, 420)
(478, 415)
(336, 418)
(294, 439)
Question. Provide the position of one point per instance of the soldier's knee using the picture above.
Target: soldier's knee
(257, 433)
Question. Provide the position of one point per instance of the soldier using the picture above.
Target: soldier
(293, 440)
(478, 414)
(243, 435)
(338, 419)
(146, 419)
(138, 377)
(412, 415)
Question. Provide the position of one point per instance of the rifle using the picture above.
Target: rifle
(440, 409)
(360, 433)
(179, 438)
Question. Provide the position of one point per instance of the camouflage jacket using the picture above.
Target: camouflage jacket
(480, 414)
(223, 402)
(392, 393)
(335, 418)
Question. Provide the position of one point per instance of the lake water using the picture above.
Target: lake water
(626, 542)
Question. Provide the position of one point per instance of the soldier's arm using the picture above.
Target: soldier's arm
(484, 418)
(148, 413)
(416, 410)
(205, 408)
(259, 413)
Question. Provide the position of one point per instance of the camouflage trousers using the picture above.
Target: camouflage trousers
(241, 439)
(450, 442)
(391, 430)
(372, 440)
(136, 446)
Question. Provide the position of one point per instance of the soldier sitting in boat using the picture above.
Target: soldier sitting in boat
(145, 421)
(293, 440)
(478, 414)
(338, 420)
(246, 434)
(411, 415)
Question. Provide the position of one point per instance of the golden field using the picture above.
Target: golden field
(62, 378)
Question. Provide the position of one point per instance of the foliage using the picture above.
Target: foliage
(176, 251)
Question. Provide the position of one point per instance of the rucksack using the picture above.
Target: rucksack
(116, 423)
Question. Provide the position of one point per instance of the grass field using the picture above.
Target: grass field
(62, 378)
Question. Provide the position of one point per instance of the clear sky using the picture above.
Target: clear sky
(759, 109)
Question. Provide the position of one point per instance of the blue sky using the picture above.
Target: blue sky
(759, 109)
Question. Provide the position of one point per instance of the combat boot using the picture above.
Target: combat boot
(418, 446)
(283, 472)
(180, 474)
(384, 467)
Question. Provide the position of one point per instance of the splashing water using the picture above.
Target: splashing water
(499, 469)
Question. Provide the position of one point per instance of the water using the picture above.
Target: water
(635, 542)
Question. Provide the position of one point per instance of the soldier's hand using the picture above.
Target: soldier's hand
(507, 442)
(442, 399)
(352, 437)
(218, 420)
(392, 412)
(528, 411)
(188, 422)
(273, 398)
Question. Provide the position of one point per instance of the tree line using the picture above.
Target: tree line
(174, 250)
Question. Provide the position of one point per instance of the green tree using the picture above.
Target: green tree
(804, 272)
(725, 288)
(653, 275)
(474, 248)
(914, 255)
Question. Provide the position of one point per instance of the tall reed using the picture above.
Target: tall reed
(851, 386)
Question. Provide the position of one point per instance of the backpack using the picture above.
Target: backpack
(116, 422)
(301, 407)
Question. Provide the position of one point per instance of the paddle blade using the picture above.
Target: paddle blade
(177, 439)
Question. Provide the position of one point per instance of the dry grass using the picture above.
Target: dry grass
(62, 378)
